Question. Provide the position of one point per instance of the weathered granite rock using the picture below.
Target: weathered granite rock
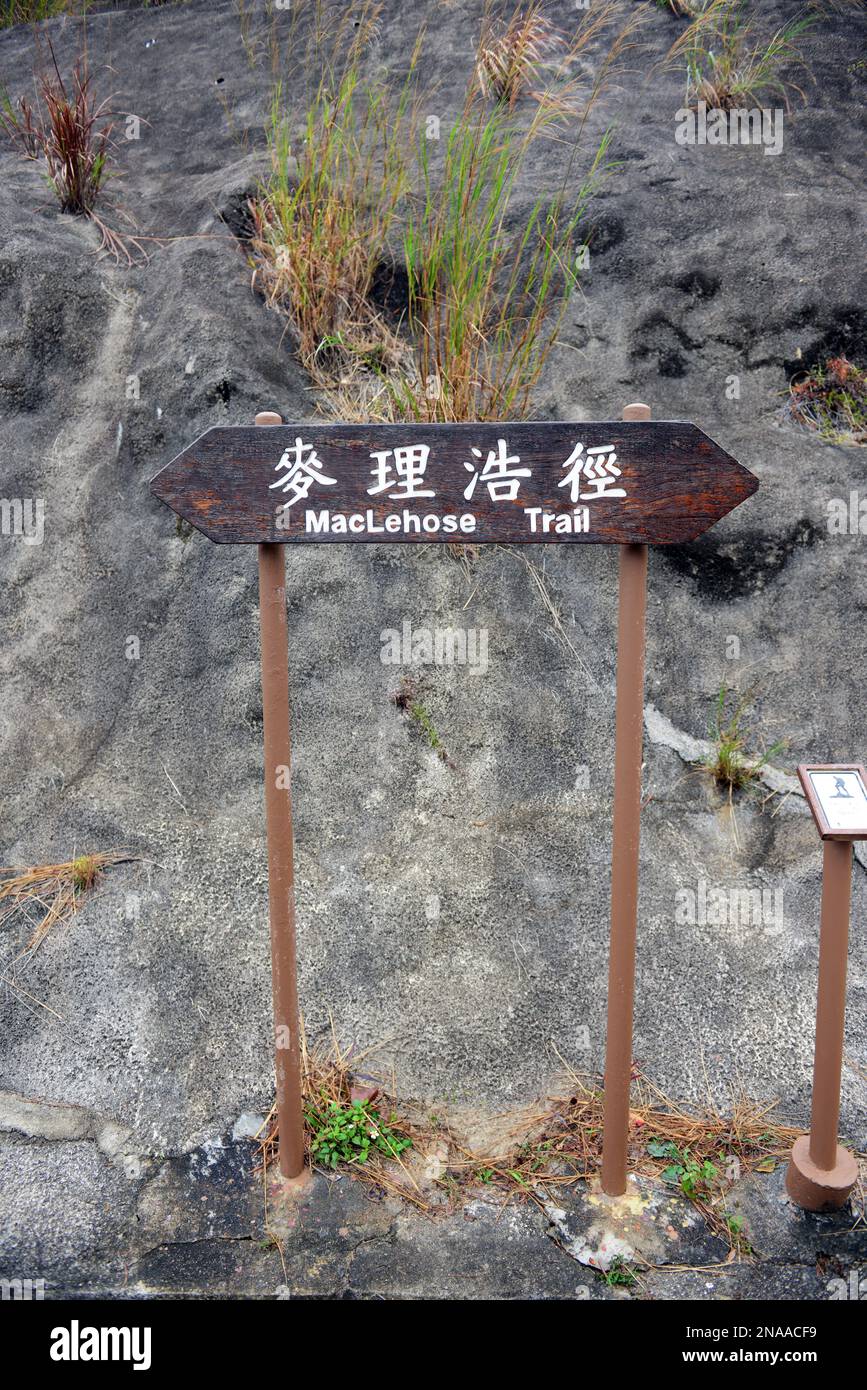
(460, 914)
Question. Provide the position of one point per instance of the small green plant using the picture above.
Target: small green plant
(85, 871)
(406, 698)
(350, 1133)
(426, 724)
(729, 766)
(728, 64)
(618, 1274)
(485, 1175)
(692, 1175)
(831, 399)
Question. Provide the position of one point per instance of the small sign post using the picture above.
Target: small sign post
(821, 1173)
(631, 483)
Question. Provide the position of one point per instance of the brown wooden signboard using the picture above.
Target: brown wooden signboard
(612, 482)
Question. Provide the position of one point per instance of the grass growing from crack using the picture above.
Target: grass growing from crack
(50, 894)
(730, 766)
(407, 700)
(729, 64)
(831, 400)
(619, 1274)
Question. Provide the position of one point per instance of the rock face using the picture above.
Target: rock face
(455, 912)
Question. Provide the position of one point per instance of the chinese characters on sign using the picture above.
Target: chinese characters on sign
(401, 475)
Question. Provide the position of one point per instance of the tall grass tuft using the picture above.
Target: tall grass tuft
(729, 64)
(488, 278)
(487, 289)
(70, 128)
(324, 218)
(511, 54)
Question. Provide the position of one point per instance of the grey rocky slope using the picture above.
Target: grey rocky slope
(457, 914)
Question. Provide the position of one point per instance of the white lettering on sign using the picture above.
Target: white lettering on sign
(401, 474)
(405, 473)
(566, 523)
(302, 468)
(501, 480)
(843, 799)
(407, 523)
(598, 467)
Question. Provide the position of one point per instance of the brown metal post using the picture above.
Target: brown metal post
(281, 875)
(831, 1005)
(628, 738)
(821, 1173)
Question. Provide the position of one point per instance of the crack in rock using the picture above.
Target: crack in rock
(661, 731)
(44, 1119)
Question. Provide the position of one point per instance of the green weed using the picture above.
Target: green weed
(693, 1176)
(350, 1133)
(730, 766)
(831, 399)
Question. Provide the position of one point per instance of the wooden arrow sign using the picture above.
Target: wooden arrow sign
(611, 482)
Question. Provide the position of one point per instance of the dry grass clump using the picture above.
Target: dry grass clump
(831, 399)
(49, 894)
(511, 54)
(514, 54)
(324, 218)
(730, 64)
